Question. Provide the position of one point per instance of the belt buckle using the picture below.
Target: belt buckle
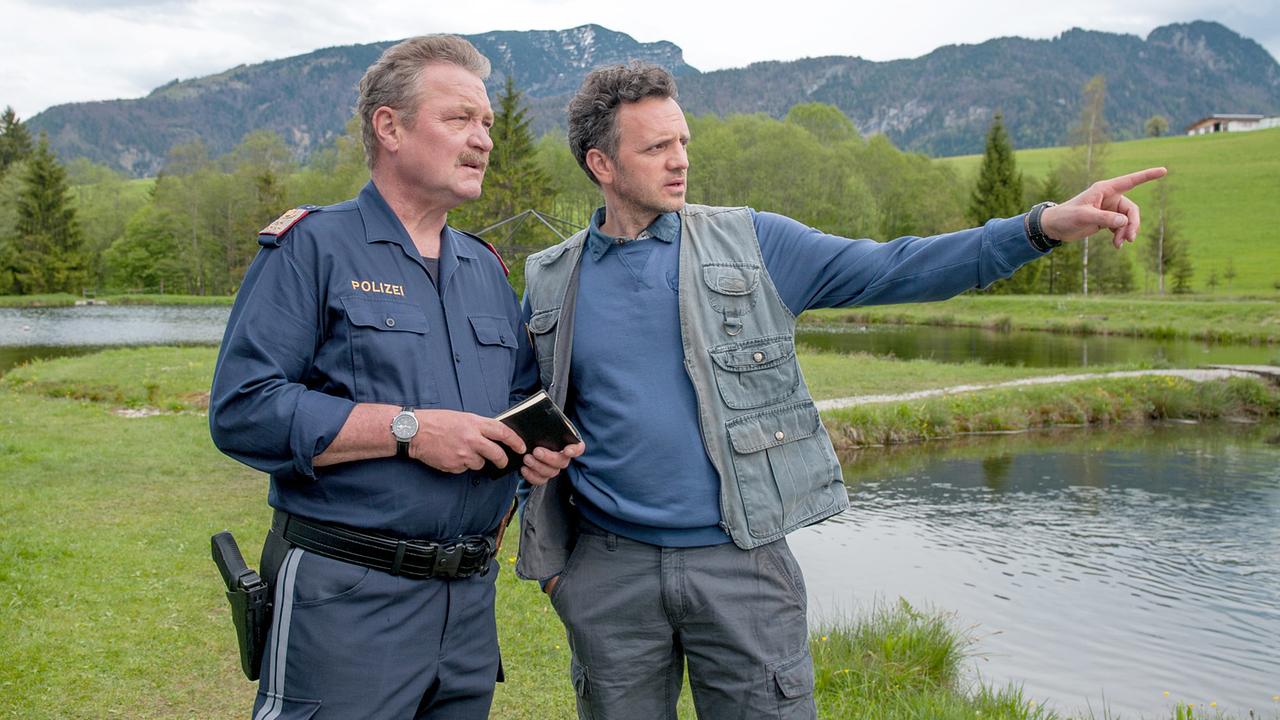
(448, 560)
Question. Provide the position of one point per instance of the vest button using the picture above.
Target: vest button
(758, 357)
(779, 435)
(391, 322)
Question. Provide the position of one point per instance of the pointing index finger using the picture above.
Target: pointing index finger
(1125, 183)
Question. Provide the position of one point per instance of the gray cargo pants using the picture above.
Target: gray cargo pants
(634, 612)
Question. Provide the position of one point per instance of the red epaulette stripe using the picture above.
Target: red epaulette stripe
(494, 250)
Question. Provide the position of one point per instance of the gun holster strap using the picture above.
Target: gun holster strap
(419, 559)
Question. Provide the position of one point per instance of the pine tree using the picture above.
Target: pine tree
(513, 183)
(45, 253)
(998, 193)
(15, 141)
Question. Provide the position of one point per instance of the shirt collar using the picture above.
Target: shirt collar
(382, 225)
(666, 227)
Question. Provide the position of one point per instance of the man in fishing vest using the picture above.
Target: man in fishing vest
(666, 331)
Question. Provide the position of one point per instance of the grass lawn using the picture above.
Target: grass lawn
(111, 607)
(1255, 320)
(1225, 189)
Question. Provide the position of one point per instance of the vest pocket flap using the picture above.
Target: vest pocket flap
(543, 320)
(393, 316)
(492, 331)
(735, 279)
(756, 356)
(773, 427)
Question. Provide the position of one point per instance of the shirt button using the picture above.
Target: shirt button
(758, 357)
(391, 322)
(457, 357)
(779, 435)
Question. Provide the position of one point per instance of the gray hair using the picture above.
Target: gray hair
(593, 111)
(393, 80)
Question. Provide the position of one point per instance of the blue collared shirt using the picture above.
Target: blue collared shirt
(645, 473)
(340, 310)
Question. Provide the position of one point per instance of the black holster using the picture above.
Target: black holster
(250, 599)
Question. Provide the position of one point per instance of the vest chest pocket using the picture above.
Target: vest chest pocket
(542, 325)
(387, 340)
(733, 289)
(496, 346)
(780, 466)
(756, 373)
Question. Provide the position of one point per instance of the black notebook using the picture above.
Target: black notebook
(540, 423)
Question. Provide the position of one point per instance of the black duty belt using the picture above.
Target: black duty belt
(409, 558)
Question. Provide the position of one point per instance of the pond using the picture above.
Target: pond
(1096, 568)
(1026, 348)
(28, 333)
(31, 333)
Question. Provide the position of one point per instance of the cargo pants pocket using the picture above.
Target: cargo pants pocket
(791, 684)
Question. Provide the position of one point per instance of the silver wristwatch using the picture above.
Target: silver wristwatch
(403, 427)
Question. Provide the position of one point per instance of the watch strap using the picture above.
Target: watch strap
(1035, 231)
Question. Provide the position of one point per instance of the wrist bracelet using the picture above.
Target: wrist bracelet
(1035, 231)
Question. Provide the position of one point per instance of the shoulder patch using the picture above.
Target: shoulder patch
(270, 235)
(492, 249)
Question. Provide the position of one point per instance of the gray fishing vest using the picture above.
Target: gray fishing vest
(762, 432)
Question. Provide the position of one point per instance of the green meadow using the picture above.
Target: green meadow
(1226, 191)
(110, 489)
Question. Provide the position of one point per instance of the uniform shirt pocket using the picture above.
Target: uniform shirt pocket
(388, 347)
(496, 346)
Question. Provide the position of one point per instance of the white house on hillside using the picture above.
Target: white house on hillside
(1232, 123)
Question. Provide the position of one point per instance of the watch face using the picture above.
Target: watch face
(404, 426)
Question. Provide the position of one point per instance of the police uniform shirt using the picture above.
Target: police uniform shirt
(339, 309)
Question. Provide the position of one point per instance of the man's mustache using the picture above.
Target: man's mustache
(472, 158)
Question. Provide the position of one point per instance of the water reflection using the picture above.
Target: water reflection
(1026, 348)
(1107, 564)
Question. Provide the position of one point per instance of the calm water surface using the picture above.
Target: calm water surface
(1026, 348)
(31, 333)
(1096, 567)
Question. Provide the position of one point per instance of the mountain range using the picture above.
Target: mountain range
(939, 104)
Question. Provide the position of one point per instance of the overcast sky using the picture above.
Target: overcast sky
(57, 51)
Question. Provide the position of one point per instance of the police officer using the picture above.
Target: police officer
(367, 351)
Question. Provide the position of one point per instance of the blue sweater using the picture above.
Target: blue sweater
(645, 474)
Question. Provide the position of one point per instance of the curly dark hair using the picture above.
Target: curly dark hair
(593, 111)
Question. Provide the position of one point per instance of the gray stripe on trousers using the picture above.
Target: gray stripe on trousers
(279, 651)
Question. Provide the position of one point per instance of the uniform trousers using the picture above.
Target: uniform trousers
(347, 641)
(634, 613)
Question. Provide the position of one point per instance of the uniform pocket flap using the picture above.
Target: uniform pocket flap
(543, 320)
(795, 676)
(758, 355)
(492, 330)
(737, 279)
(393, 316)
(773, 427)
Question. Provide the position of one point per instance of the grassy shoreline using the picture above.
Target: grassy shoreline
(1254, 320)
(109, 604)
